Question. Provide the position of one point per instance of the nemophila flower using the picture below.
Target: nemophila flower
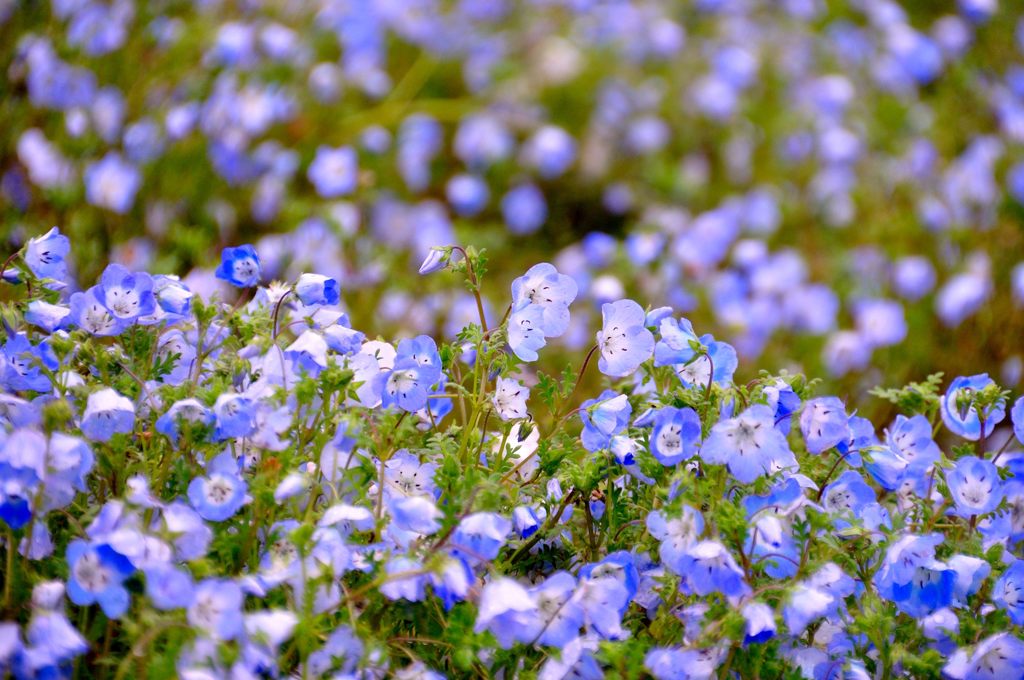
(848, 495)
(480, 536)
(975, 486)
(343, 339)
(169, 587)
(959, 412)
(406, 385)
(997, 657)
(551, 150)
(452, 581)
(1008, 592)
(422, 350)
(543, 286)
(824, 424)
(676, 435)
(806, 604)
(603, 600)
(682, 664)
(911, 438)
(603, 418)
(508, 612)
(971, 572)
(185, 411)
(126, 294)
(112, 183)
(510, 398)
(47, 316)
(405, 475)
(236, 416)
(749, 444)
(773, 547)
(308, 353)
(760, 623)
(525, 521)
(623, 340)
(46, 255)
(524, 209)
(881, 323)
(417, 514)
(90, 313)
(558, 609)
(526, 332)
(97, 574)
(22, 365)
(240, 266)
(334, 171)
(436, 260)
(221, 493)
(316, 289)
(708, 567)
(107, 413)
(1017, 417)
(784, 400)
(216, 609)
(676, 534)
(467, 194)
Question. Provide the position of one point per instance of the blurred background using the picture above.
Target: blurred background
(833, 187)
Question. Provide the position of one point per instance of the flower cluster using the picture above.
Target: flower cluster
(724, 157)
(199, 489)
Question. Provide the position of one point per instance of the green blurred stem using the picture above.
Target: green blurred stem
(9, 576)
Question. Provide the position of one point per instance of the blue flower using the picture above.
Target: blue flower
(508, 612)
(760, 623)
(749, 444)
(221, 493)
(169, 587)
(524, 209)
(334, 171)
(603, 418)
(975, 486)
(240, 266)
(236, 416)
(526, 332)
(717, 362)
(46, 316)
(559, 611)
(107, 413)
(544, 287)
(805, 605)
(676, 435)
(111, 183)
(676, 534)
(911, 438)
(97, 574)
(308, 353)
(773, 546)
(707, 567)
(190, 411)
(848, 495)
(467, 194)
(216, 609)
(316, 289)
(22, 364)
(510, 398)
(998, 657)
(960, 413)
(89, 313)
(1008, 592)
(624, 341)
(406, 384)
(45, 255)
(127, 295)
(480, 536)
(824, 424)
(1017, 416)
